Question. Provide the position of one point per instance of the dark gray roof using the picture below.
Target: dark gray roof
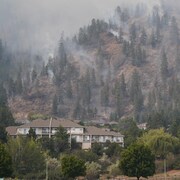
(92, 130)
(53, 123)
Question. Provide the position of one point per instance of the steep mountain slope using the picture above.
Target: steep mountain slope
(127, 67)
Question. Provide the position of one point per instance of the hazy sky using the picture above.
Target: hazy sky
(37, 24)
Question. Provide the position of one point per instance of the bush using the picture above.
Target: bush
(93, 170)
(114, 169)
(33, 116)
(87, 156)
(72, 166)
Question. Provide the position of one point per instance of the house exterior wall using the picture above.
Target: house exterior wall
(77, 134)
(78, 138)
(75, 130)
(23, 131)
(86, 145)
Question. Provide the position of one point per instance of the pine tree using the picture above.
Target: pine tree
(177, 61)
(33, 74)
(174, 31)
(164, 66)
(19, 85)
(153, 39)
(44, 71)
(69, 90)
(1, 50)
(123, 85)
(126, 48)
(121, 35)
(62, 54)
(55, 105)
(6, 117)
(143, 37)
(136, 92)
(93, 78)
(133, 32)
(105, 95)
(151, 101)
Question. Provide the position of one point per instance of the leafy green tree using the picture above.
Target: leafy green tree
(175, 127)
(71, 166)
(137, 161)
(112, 149)
(93, 170)
(27, 157)
(97, 148)
(47, 145)
(61, 141)
(5, 162)
(160, 142)
(87, 156)
(130, 130)
(157, 120)
(3, 134)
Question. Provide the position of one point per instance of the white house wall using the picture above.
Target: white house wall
(76, 133)
(75, 130)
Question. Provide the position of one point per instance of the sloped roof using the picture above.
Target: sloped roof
(39, 123)
(92, 130)
(11, 130)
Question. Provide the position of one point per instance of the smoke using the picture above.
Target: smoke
(36, 25)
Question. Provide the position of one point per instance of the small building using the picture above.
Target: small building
(142, 126)
(86, 135)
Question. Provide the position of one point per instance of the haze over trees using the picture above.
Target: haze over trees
(122, 71)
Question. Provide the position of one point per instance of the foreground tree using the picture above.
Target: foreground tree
(27, 158)
(6, 117)
(61, 141)
(3, 134)
(160, 142)
(137, 161)
(32, 134)
(5, 162)
(71, 166)
(130, 130)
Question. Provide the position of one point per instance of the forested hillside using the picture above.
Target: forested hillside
(117, 79)
(128, 66)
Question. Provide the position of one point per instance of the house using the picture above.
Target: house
(142, 126)
(93, 134)
(82, 134)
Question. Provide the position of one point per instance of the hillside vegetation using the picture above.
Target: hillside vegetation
(126, 67)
